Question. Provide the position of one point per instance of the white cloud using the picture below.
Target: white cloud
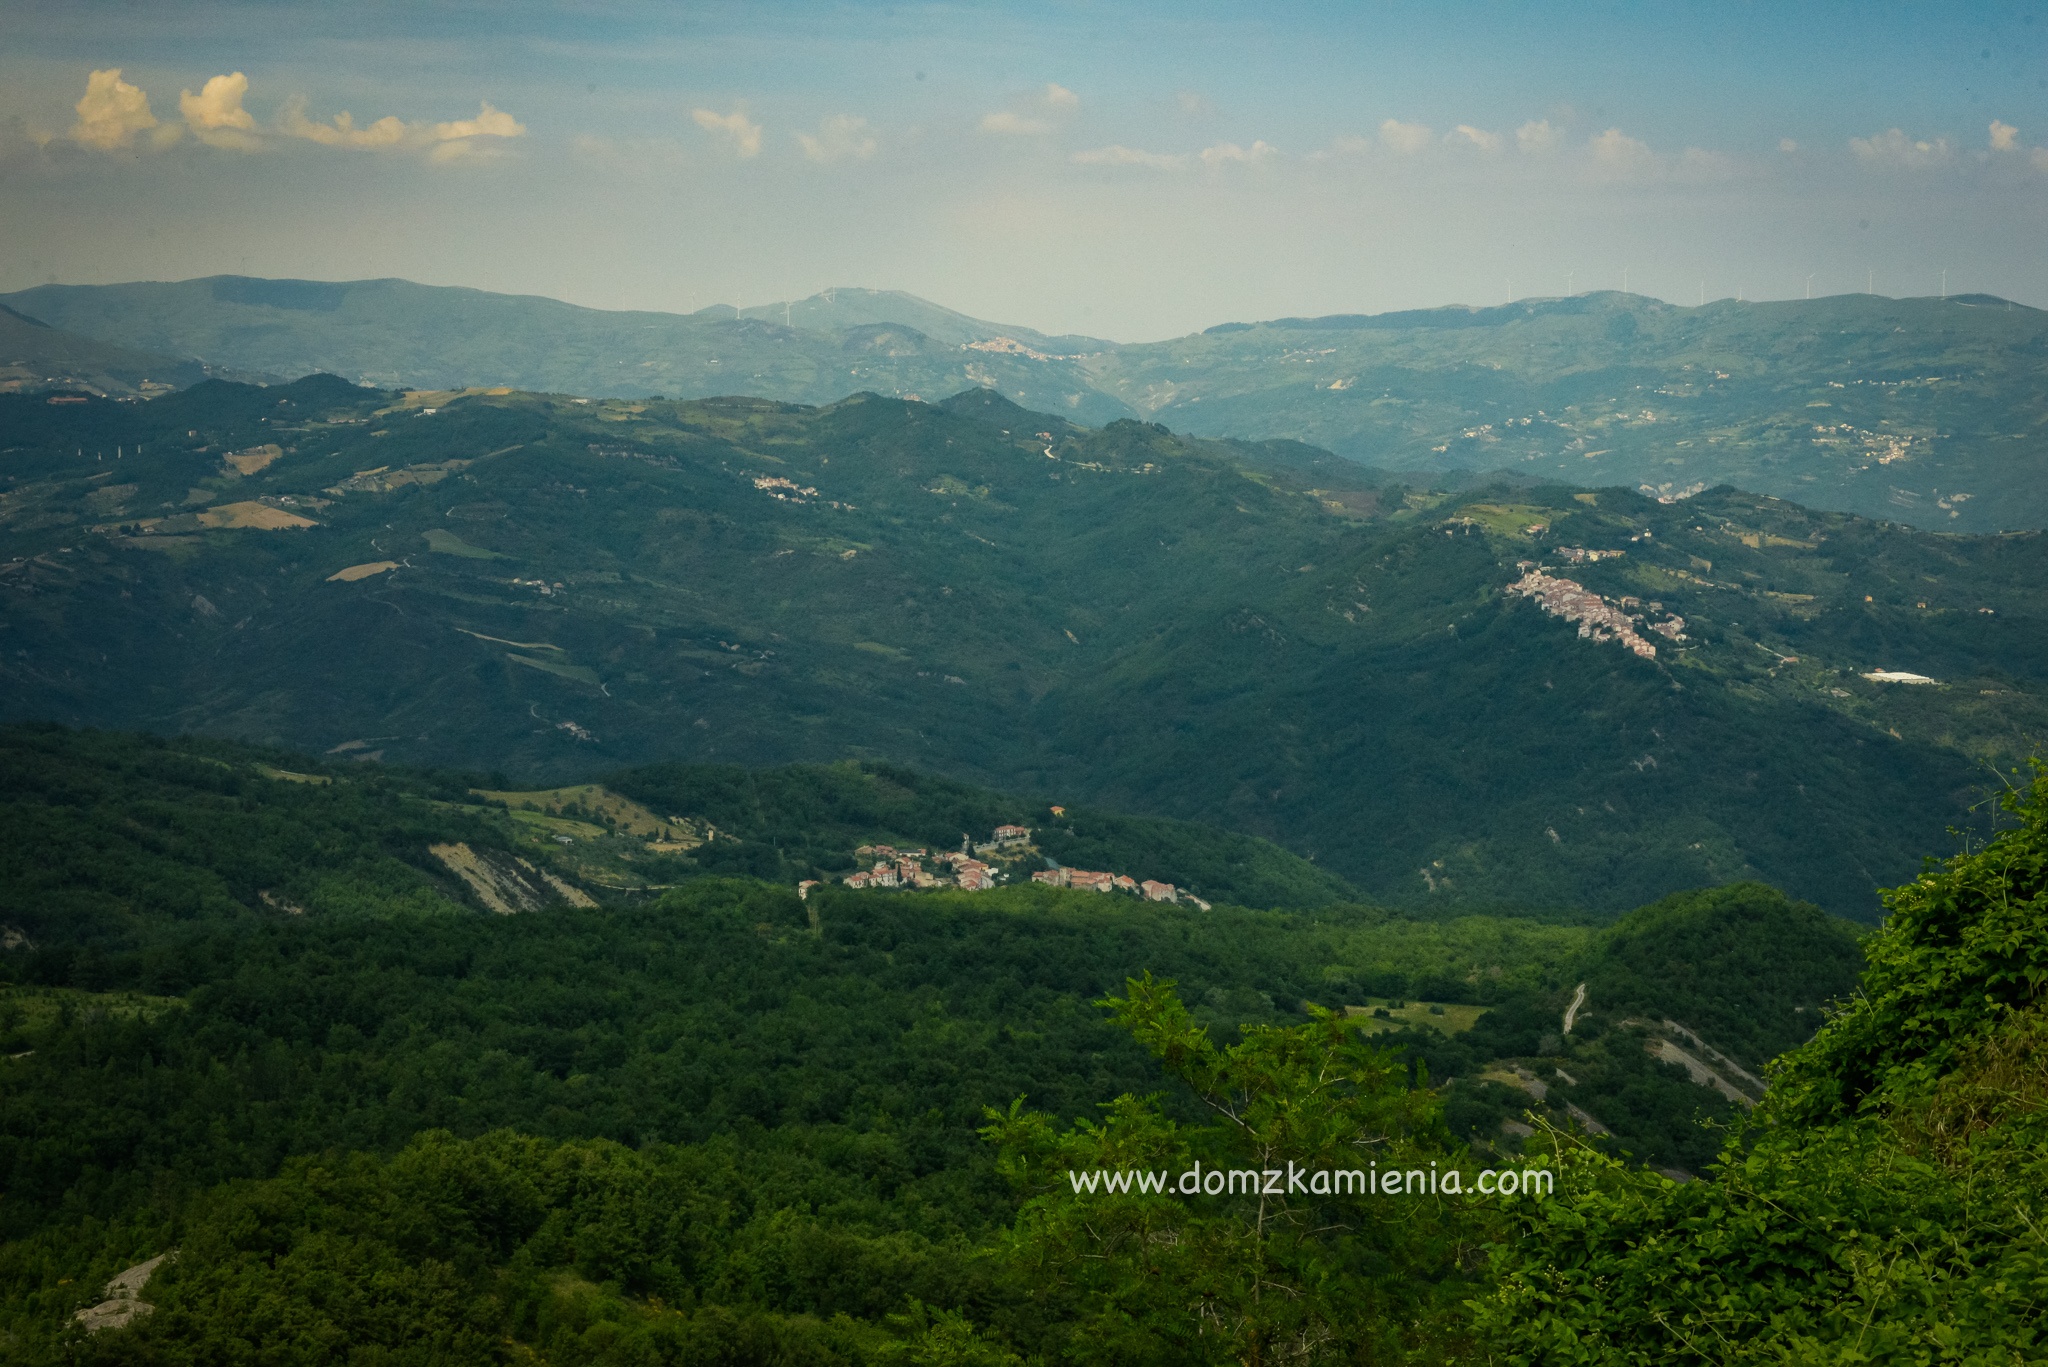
(1119, 155)
(1003, 121)
(1536, 136)
(1475, 137)
(1617, 156)
(215, 115)
(455, 140)
(843, 137)
(488, 123)
(1787, 146)
(389, 131)
(460, 140)
(1406, 138)
(111, 112)
(2039, 158)
(2004, 137)
(744, 132)
(1618, 151)
(1893, 148)
(1055, 99)
(1229, 151)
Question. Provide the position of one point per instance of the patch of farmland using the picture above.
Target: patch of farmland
(254, 458)
(1448, 1018)
(355, 572)
(254, 515)
(593, 807)
(444, 542)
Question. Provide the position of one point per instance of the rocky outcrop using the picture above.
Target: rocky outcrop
(123, 1304)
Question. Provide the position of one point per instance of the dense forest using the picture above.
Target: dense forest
(249, 1017)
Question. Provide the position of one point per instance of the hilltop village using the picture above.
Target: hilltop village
(1598, 619)
(998, 860)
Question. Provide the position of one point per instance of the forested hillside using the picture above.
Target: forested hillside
(36, 357)
(248, 1014)
(1244, 636)
(1256, 637)
(1882, 1202)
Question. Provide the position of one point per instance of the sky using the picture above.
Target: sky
(1130, 171)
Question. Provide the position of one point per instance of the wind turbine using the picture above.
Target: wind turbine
(1568, 284)
(1624, 280)
(1809, 287)
(1944, 282)
(1703, 294)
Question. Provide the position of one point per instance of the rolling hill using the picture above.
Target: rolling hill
(35, 356)
(1514, 694)
(396, 333)
(1924, 411)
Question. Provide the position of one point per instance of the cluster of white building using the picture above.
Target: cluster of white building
(1598, 619)
(1150, 889)
(894, 868)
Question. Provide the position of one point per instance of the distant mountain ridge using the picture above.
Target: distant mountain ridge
(35, 356)
(397, 334)
(834, 310)
(1925, 411)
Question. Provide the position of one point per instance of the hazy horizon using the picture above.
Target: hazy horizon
(1134, 174)
(769, 305)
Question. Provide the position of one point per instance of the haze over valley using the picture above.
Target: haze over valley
(1924, 411)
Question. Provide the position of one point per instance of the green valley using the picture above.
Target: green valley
(1262, 637)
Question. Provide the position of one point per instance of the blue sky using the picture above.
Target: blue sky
(1130, 170)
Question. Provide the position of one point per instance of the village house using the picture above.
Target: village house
(1598, 619)
(803, 889)
(975, 876)
(1007, 834)
(1125, 883)
(1156, 891)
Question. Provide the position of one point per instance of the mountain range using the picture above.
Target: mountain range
(1924, 411)
(1506, 694)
